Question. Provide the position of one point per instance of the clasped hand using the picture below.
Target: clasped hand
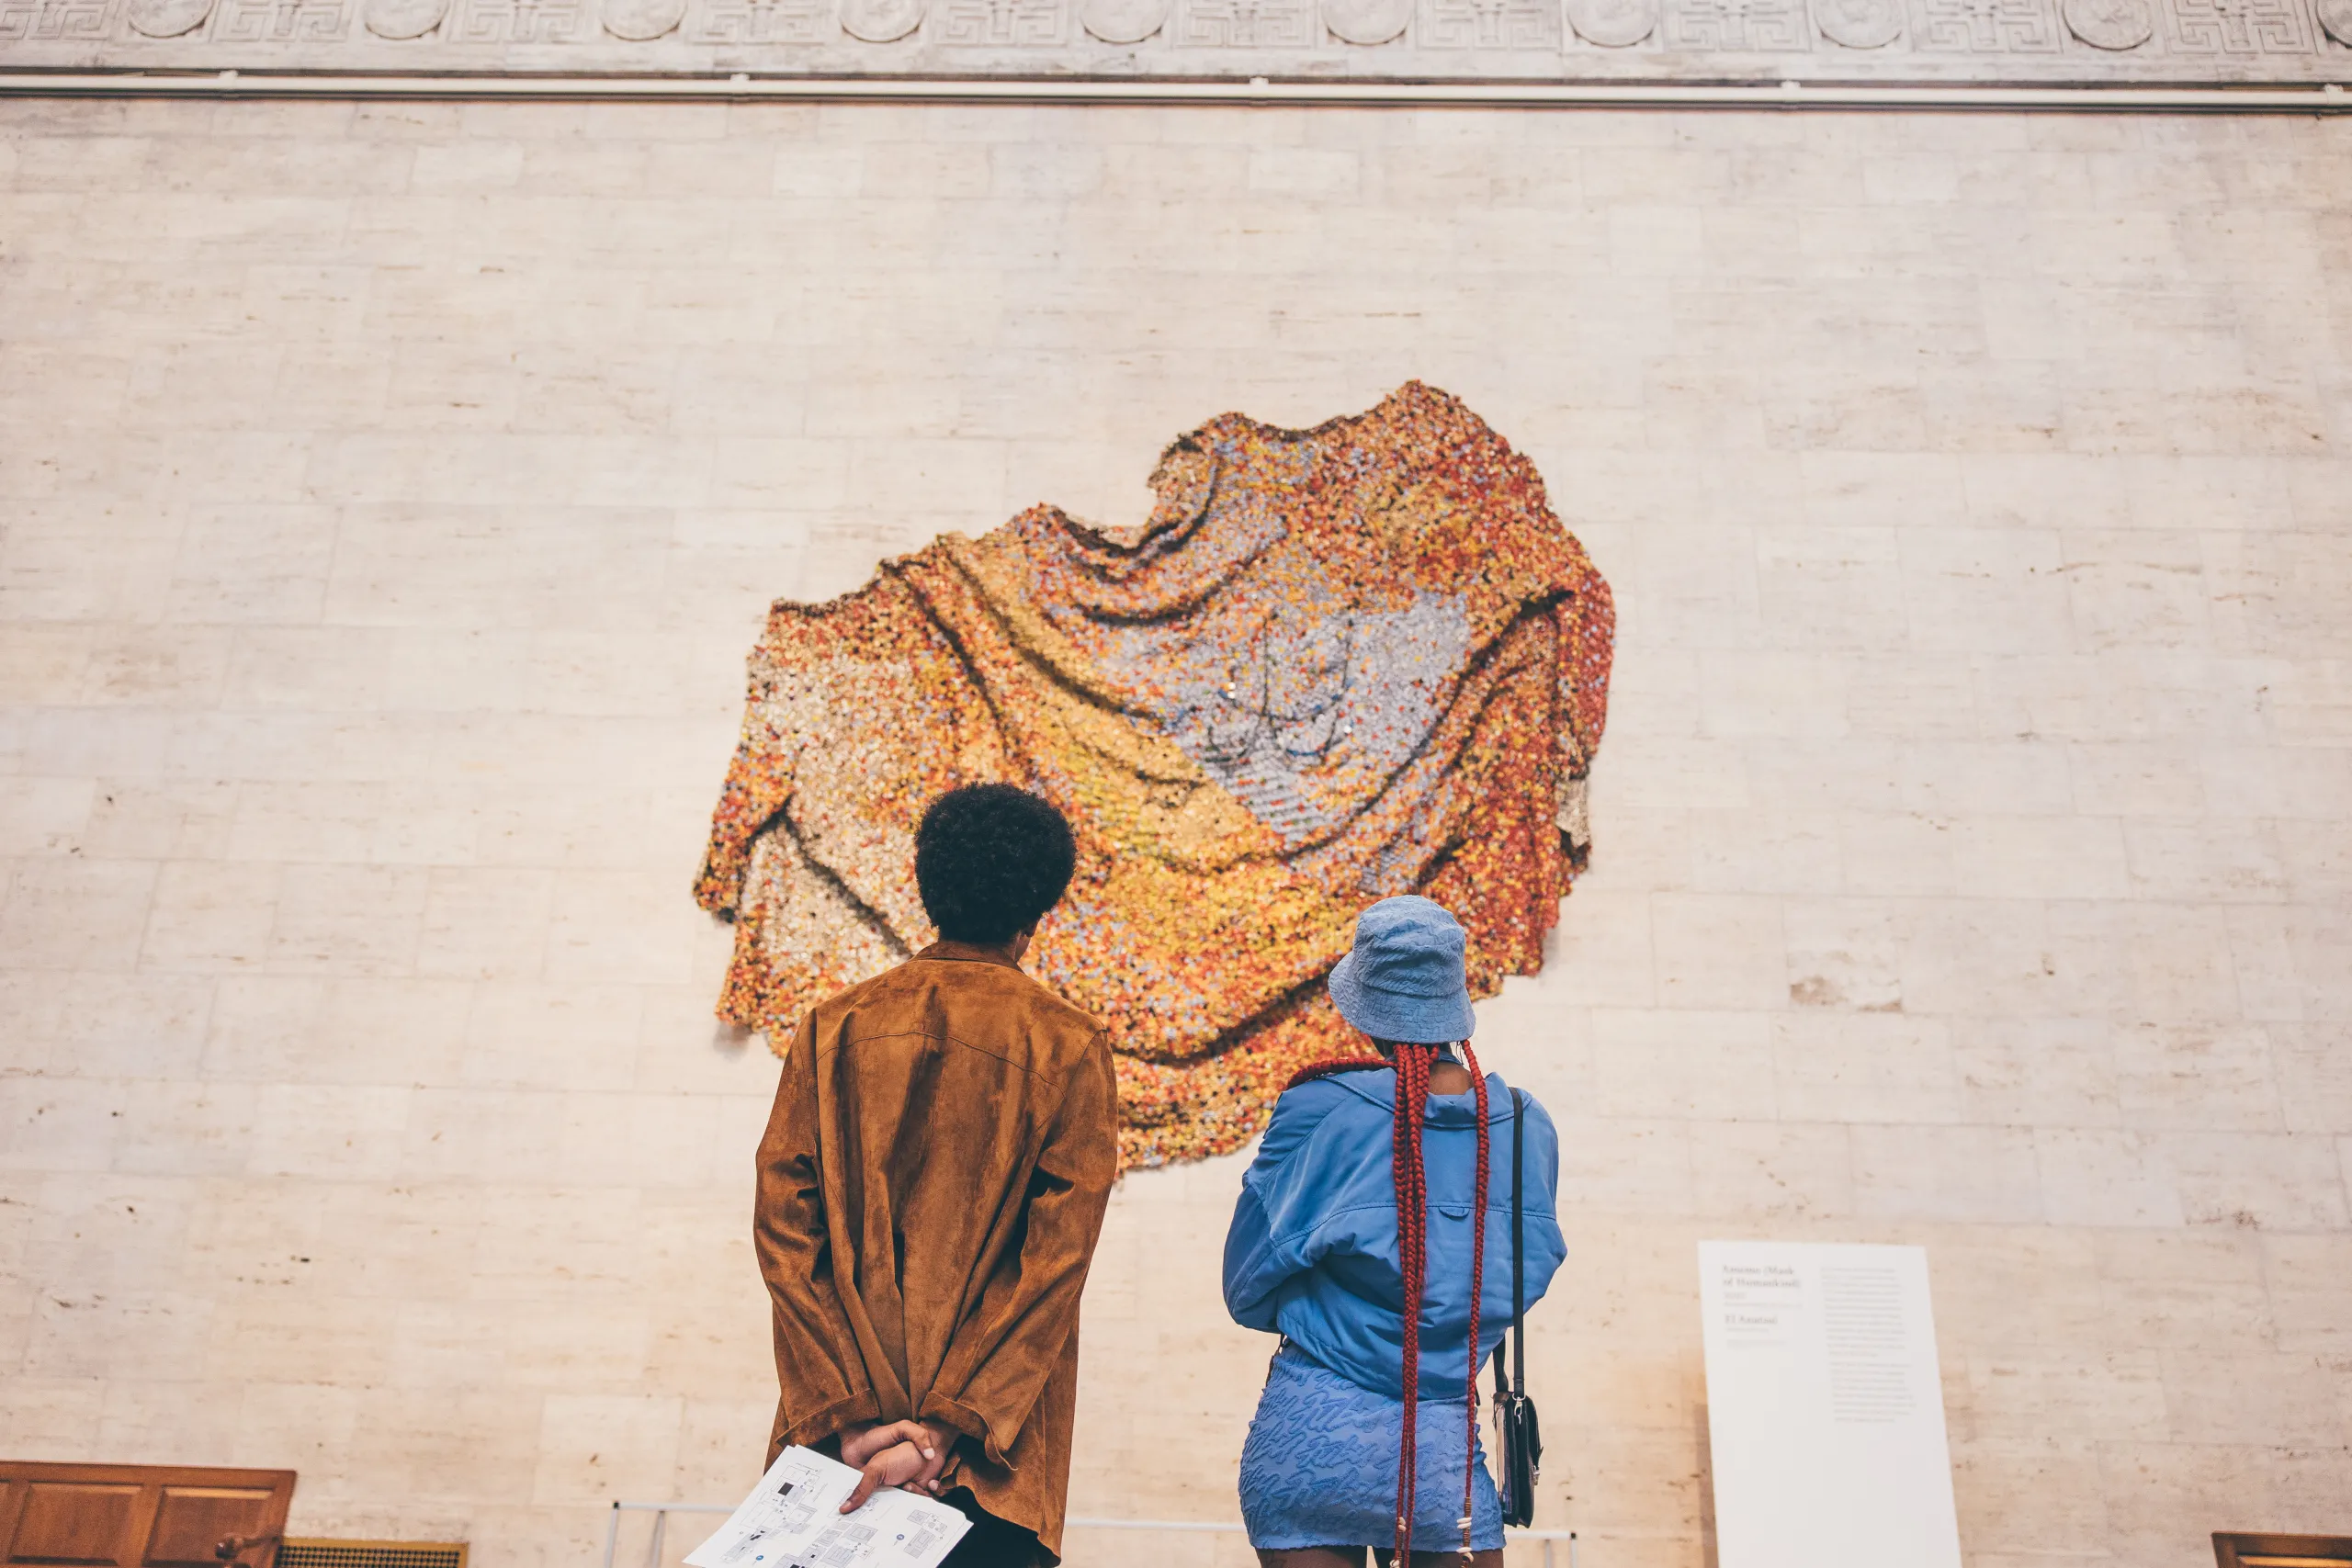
(910, 1455)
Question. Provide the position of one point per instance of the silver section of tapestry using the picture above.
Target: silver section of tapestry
(1981, 42)
(1317, 684)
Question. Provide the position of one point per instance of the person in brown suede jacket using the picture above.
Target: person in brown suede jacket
(930, 1186)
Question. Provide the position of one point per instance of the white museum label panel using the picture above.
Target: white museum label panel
(1825, 1407)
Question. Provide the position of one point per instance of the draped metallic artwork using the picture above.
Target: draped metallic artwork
(1335, 664)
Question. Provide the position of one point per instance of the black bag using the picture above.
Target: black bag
(1521, 1438)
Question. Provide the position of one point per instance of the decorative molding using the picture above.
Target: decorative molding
(1004, 24)
(1986, 27)
(521, 21)
(1519, 25)
(282, 21)
(1122, 21)
(1245, 24)
(1955, 43)
(750, 23)
(881, 21)
(641, 21)
(1613, 24)
(1367, 22)
(2111, 25)
(1858, 24)
(403, 20)
(1737, 26)
(2237, 27)
(60, 21)
(166, 19)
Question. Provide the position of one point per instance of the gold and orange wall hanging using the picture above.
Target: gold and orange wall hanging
(1335, 664)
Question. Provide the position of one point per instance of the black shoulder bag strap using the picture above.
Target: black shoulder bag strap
(1518, 1245)
(1522, 1444)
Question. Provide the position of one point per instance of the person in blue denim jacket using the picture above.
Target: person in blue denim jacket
(1341, 1222)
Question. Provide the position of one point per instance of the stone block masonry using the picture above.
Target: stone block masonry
(389, 494)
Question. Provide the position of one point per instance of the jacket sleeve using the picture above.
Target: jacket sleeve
(1547, 1248)
(998, 1361)
(822, 1377)
(1273, 1222)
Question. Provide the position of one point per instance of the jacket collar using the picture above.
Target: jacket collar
(1379, 1086)
(967, 953)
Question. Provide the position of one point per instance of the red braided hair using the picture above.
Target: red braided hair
(1412, 1175)
(1324, 1069)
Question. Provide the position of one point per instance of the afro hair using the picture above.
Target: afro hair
(990, 858)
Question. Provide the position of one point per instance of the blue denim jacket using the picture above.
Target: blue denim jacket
(1312, 1253)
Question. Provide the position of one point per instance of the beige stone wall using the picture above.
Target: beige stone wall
(390, 494)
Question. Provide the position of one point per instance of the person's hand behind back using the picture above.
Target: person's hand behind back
(905, 1454)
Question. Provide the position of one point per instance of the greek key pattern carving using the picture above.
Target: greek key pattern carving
(761, 21)
(1490, 24)
(1002, 24)
(1737, 26)
(523, 21)
(1986, 26)
(1245, 24)
(2237, 27)
(55, 20)
(282, 21)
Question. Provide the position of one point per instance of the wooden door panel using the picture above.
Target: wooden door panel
(65, 1521)
(2282, 1551)
(129, 1515)
(191, 1521)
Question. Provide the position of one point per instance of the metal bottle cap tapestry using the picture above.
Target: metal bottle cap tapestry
(1335, 665)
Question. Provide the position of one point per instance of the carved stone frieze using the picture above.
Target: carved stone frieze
(1858, 24)
(1245, 24)
(167, 18)
(521, 22)
(2237, 27)
(752, 22)
(58, 21)
(1002, 24)
(2110, 24)
(1122, 21)
(881, 21)
(641, 20)
(1737, 26)
(1987, 27)
(282, 21)
(2071, 43)
(1613, 24)
(1499, 25)
(1366, 21)
(402, 20)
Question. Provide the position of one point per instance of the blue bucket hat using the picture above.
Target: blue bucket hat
(1403, 981)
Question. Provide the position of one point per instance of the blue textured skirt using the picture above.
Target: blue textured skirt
(1320, 1467)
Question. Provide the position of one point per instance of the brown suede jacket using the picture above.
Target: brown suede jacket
(932, 1183)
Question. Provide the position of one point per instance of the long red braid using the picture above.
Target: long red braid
(1412, 1254)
